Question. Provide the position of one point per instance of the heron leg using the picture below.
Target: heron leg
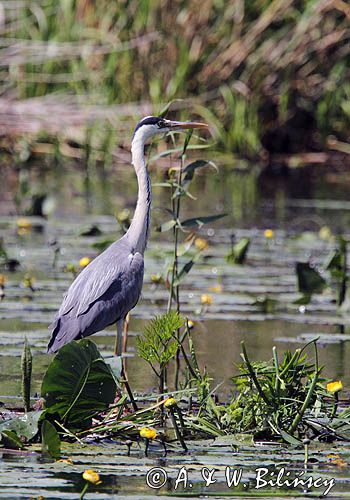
(125, 334)
(119, 339)
(120, 346)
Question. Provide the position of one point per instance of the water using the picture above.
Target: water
(296, 207)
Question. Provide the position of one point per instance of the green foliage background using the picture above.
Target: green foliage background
(259, 71)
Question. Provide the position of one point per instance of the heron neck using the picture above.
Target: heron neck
(137, 233)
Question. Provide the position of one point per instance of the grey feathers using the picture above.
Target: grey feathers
(104, 292)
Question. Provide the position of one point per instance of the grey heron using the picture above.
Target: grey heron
(110, 286)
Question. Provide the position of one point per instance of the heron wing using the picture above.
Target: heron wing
(113, 265)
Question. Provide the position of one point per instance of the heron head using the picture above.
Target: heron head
(153, 125)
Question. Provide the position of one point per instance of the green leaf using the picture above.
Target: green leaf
(25, 426)
(26, 368)
(239, 252)
(167, 226)
(184, 247)
(289, 438)
(184, 271)
(166, 108)
(189, 170)
(50, 440)
(187, 141)
(200, 221)
(309, 280)
(11, 440)
(78, 384)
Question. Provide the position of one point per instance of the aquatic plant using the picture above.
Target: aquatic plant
(158, 344)
(77, 385)
(26, 368)
(238, 252)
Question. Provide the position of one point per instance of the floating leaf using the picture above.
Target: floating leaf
(50, 440)
(309, 280)
(78, 384)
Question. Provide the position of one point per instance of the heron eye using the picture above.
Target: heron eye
(161, 124)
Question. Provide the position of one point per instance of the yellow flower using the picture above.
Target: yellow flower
(148, 433)
(168, 403)
(157, 279)
(70, 268)
(190, 324)
(216, 288)
(24, 223)
(84, 261)
(206, 299)
(201, 244)
(92, 476)
(67, 461)
(2, 280)
(268, 233)
(124, 215)
(28, 281)
(325, 233)
(337, 460)
(334, 386)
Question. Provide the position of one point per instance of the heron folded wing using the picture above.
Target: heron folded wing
(97, 277)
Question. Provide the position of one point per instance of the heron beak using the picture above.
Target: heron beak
(185, 125)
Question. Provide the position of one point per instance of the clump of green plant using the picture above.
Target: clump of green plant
(280, 399)
(159, 344)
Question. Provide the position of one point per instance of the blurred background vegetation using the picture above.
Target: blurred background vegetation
(271, 77)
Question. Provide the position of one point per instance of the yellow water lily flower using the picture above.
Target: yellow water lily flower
(84, 261)
(268, 233)
(206, 299)
(216, 288)
(28, 281)
(23, 223)
(92, 476)
(337, 460)
(190, 324)
(157, 279)
(170, 402)
(148, 433)
(67, 461)
(2, 280)
(334, 386)
(325, 233)
(201, 243)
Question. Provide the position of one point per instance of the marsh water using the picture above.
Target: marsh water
(254, 302)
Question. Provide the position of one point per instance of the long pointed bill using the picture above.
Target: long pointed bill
(184, 125)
